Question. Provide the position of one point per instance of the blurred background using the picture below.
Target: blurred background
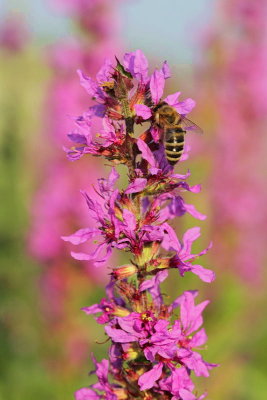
(217, 50)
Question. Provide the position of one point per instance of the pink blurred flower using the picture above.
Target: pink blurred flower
(238, 177)
(97, 16)
(14, 34)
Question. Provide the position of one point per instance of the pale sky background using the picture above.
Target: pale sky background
(168, 27)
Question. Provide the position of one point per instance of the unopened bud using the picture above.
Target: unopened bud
(155, 248)
(145, 256)
(161, 263)
(133, 374)
(148, 397)
(118, 213)
(120, 312)
(124, 271)
(130, 354)
(120, 393)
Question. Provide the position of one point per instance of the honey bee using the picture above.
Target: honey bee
(174, 127)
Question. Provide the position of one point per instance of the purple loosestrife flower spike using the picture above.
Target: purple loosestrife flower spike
(154, 352)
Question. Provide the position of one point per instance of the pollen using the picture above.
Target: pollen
(145, 317)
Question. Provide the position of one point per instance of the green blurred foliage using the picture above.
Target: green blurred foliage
(22, 375)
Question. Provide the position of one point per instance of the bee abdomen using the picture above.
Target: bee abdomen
(174, 145)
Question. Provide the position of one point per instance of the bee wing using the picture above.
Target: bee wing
(190, 126)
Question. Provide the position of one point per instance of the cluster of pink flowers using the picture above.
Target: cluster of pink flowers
(153, 353)
(239, 67)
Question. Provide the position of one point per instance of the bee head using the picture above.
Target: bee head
(165, 114)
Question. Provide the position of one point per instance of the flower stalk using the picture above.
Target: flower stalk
(153, 354)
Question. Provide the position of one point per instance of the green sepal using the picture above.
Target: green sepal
(120, 68)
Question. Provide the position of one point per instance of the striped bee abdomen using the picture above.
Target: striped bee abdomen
(174, 144)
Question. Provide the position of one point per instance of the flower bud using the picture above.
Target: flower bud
(161, 263)
(120, 393)
(120, 311)
(148, 397)
(146, 255)
(124, 271)
(130, 354)
(133, 375)
(118, 213)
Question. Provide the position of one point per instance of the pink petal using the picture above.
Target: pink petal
(140, 64)
(186, 395)
(155, 133)
(155, 281)
(192, 210)
(157, 83)
(136, 63)
(81, 256)
(178, 301)
(119, 336)
(202, 396)
(205, 250)
(147, 380)
(105, 71)
(86, 394)
(136, 186)
(199, 338)
(170, 241)
(129, 219)
(195, 188)
(146, 153)
(185, 107)
(181, 380)
(81, 236)
(166, 70)
(77, 138)
(190, 314)
(154, 171)
(92, 309)
(143, 111)
(185, 154)
(189, 237)
(88, 83)
(172, 99)
(181, 176)
(206, 275)
(197, 364)
(113, 176)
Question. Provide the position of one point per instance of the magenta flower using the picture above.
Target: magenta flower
(103, 385)
(136, 63)
(183, 259)
(109, 108)
(117, 226)
(156, 338)
(238, 196)
(153, 286)
(154, 353)
(179, 385)
(108, 309)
